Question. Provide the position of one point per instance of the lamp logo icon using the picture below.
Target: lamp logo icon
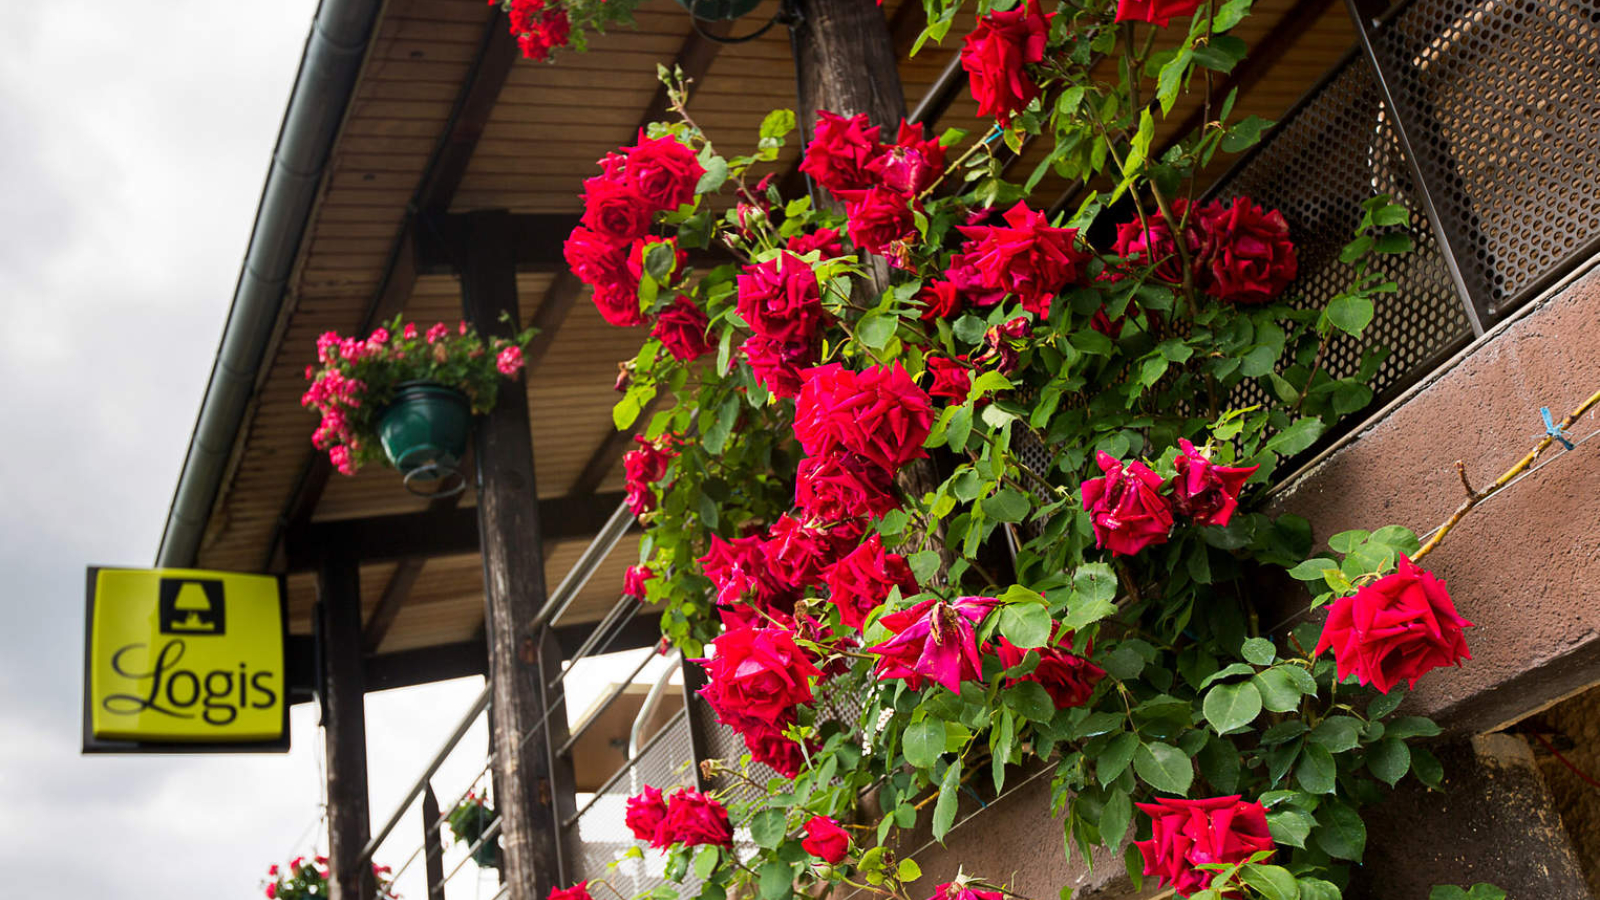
(192, 606)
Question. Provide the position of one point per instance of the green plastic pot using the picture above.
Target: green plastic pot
(424, 430)
(712, 10)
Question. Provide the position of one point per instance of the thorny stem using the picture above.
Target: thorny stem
(977, 145)
(1474, 498)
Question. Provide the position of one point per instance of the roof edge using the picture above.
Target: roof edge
(335, 48)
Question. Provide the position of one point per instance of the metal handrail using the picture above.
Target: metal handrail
(627, 767)
(605, 704)
(477, 708)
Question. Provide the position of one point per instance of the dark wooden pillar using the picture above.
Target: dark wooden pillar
(845, 63)
(344, 727)
(433, 844)
(513, 578)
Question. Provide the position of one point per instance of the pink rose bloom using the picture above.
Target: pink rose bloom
(951, 379)
(1152, 243)
(1129, 512)
(934, 640)
(878, 217)
(779, 365)
(996, 54)
(824, 240)
(780, 299)
(579, 891)
(1190, 833)
(663, 171)
(614, 210)
(1248, 255)
(838, 487)
(768, 746)
(437, 332)
(1156, 12)
(738, 568)
(681, 329)
(797, 552)
(958, 890)
(1068, 678)
(911, 165)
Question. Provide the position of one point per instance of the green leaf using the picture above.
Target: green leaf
(1231, 14)
(1410, 727)
(1114, 818)
(1219, 764)
(716, 436)
(875, 329)
(1010, 505)
(1297, 437)
(1163, 767)
(777, 880)
(1244, 134)
(1346, 541)
(923, 743)
(1279, 692)
(705, 861)
(1316, 771)
(1095, 581)
(1341, 833)
(1389, 760)
(1026, 625)
(1290, 825)
(908, 870)
(778, 123)
(1384, 704)
(944, 812)
(1317, 889)
(1031, 701)
(1231, 706)
(1427, 768)
(1114, 759)
(1350, 314)
(1337, 733)
(1259, 650)
(1171, 80)
(767, 828)
(716, 173)
(1271, 882)
(1394, 242)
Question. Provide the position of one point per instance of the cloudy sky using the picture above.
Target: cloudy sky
(136, 139)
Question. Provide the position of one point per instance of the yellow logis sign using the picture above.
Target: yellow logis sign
(184, 656)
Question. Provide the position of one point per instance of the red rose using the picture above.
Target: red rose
(272, 891)
(694, 819)
(1068, 678)
(780, 299)
(681, 328)
(1395, 629)
(595, 259)
(940, 300)
(1204, 492)
(1156, 12)
(951, 379)
(995, 53)
(1248, 255)
(1150, 243)
(646, 812)
(797, 552)
(642, 467)
(1026, 257)
(738, 569)
(756, 675)
(958, 890)
(1185, 834)
(878, 217)
(618, 303)
(912, 165)
(1129, 512)
(824, 240)
(634, 580)
(840, 487)
(840, 150)
(971, 282)
(860, 582)
(1003, 344)
(579, 891)
(614, 210)
(777, 365)
(768, 746)
(933, 640)
(638, 250)
(879, 414)
(826, 840)
(663, 171)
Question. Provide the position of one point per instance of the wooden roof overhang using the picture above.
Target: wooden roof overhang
(443, 119)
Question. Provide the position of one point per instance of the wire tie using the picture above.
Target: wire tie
(1551, 429)
(974, 794)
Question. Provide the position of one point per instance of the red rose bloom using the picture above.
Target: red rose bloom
(1026, 257)
(951, 379)
(824, 240)
(768, 746)
(878, 217)
(933, 640)
(642, 467)
(646, 812)
(1204, 492)
(826, 840)
(780, 299)
(757, 676)
(995, 54)
(618, 303)
(738, 569)
(911, 165)
(797, 552)
(595, 259)
(1003, 344)
(878, 414)
(663, 171)
(681, 328)
(860, 582)
(971, 282)
(1129, 514)
(1190, 833)
(840, 487)
(694, 819)
(579, 891)
(614, 210)
(777, 365)
(1068, 678)
(1156, 12)
(1151, 243)
(1248, 255)
(1395, 629)
(940, 300)
(840, 150)
(958, 890)
(634, 580)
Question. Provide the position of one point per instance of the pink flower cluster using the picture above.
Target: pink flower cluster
(1132, 507)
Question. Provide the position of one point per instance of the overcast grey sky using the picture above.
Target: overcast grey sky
(134, 138)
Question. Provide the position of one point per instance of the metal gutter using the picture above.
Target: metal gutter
(335, 48)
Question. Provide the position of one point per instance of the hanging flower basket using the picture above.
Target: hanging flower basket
(469, 821)
(713, 10)
(424, 431)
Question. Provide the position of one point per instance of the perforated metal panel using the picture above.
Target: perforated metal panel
(1501, 102)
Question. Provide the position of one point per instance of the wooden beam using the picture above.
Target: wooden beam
(390, 602)
(344, 728)
(514, 588)
(449, 532)
(425, 665)
(605, 457)
(431, 842)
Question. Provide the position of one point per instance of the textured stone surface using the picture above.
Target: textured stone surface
(1575, 724)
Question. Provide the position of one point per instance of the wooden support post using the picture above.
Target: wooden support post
(433, 844)
(695, 714)
(513, 577)
(344, 728)
(845, 62)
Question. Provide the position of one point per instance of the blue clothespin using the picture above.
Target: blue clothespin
(974, 794)
(1552, 429)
